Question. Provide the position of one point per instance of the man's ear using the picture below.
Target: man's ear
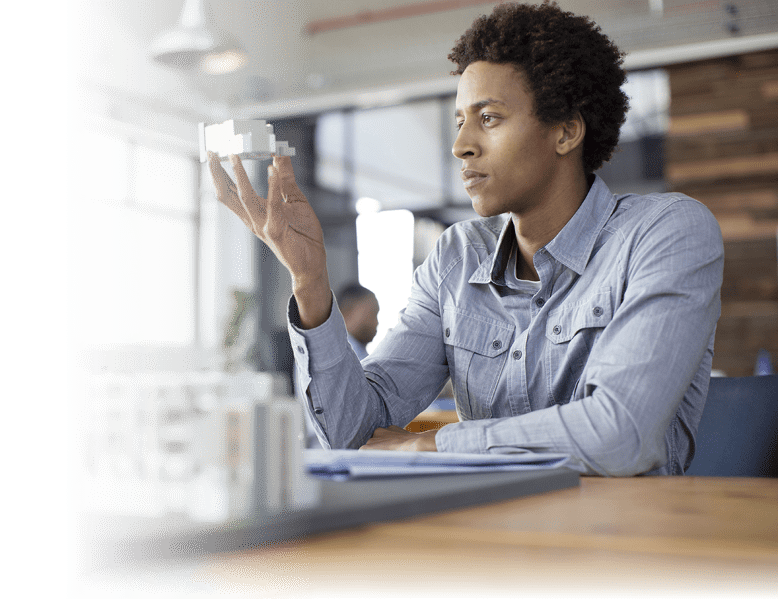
(570, 135)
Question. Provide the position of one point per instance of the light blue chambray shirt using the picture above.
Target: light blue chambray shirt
(607, 358)
(359, 348)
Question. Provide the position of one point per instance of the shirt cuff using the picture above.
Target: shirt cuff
(319, 348)
(462, 437)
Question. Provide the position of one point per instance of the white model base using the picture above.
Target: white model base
(251, 139)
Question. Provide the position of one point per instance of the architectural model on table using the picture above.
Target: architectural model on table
(247, 138)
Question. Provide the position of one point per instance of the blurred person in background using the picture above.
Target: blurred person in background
(359, 307)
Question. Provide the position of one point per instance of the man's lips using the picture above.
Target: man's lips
(472, 178)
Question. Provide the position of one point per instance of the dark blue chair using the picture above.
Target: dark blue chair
(738, 432)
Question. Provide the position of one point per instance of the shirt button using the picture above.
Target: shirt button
(496, 344)
(517, 354)
(300, 349)
(318, 411)
(597, 311)
(557, 329)
(448, 332)
(539, 302)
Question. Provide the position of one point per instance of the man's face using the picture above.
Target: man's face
(508, 156)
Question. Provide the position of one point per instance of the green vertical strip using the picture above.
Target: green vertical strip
(33, 292)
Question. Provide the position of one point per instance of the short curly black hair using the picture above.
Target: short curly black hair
(569, 64)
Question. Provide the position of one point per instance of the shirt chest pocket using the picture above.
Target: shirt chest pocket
(572, 332)
(476, 350)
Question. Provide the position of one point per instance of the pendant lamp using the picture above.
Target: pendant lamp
(194, 43)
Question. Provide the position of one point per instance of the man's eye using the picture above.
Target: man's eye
(486, 118)
(459, 124)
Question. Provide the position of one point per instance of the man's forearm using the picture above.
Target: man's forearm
(314, 301)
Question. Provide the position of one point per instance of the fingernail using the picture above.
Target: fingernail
(270, 170)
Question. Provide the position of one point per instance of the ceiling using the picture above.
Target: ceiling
(291, 68)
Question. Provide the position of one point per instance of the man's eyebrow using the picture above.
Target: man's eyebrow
(479, 105)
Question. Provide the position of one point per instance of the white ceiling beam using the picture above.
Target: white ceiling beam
(661, 57)
(396, 94)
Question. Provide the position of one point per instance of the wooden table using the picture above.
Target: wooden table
(617, 537)
(430, 419)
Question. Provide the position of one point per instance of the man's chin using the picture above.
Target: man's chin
(484, 210)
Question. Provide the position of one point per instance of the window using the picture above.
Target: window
(649, 105)
(137, 224)
(387, 273)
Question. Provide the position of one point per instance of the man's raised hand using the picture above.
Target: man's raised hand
(286, 222)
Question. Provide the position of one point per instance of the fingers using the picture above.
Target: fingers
(275, 203)
(289, 190)
(221, 179)
(246, 193)
(273, 188)
(230, 195)
(241, 178)
(284, 166)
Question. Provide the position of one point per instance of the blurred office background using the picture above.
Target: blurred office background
(166, 278)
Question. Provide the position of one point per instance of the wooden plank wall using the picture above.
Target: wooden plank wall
(722, 149)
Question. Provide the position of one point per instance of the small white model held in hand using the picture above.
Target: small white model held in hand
(247, 138)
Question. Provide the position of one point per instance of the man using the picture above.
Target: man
(569, 319)
(359, 307)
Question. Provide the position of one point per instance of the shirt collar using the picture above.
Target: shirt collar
(492, 270)
(572, 246)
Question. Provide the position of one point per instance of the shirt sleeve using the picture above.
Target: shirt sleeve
(347, 400)
(642, 365)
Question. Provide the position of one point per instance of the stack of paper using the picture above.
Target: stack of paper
(346, 464)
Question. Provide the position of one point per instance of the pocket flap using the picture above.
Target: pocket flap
(478, 334)
(564, 322)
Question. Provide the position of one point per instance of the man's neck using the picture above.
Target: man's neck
(537, 227)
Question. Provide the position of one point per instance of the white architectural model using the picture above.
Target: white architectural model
(210, 445)
(250, 138)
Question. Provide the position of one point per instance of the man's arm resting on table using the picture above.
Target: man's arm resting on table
(398, 439)
(348, 400)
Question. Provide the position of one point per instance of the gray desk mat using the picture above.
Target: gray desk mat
(344, 504)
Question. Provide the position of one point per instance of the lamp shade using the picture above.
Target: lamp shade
(194, 43)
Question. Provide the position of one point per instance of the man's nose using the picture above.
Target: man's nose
(464, 144)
